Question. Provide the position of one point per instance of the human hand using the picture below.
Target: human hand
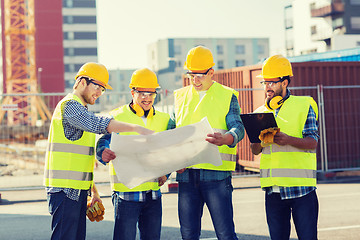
(108, 155)
(216, 138)
(143, 131)
(281, 138)
(181, 170)
(95, 210)
(162, 180)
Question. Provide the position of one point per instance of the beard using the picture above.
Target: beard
(275, 93)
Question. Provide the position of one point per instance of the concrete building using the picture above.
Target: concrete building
(120, 94)
(167, 56)
(79, 36)
(323, 25)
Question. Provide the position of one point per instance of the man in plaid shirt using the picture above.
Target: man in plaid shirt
(69, 163)
(288, 167)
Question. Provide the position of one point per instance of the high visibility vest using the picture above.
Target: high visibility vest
(68, 164)
(288, 166)
(215, 106)
(157, 123)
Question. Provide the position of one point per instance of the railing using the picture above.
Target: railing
(338, 148)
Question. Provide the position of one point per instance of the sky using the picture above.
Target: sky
(127, 27)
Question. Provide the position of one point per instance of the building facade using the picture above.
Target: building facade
(167, 56)
(79, 36)
(322, 25)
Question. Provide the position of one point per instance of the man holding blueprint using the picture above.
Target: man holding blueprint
(140, 205)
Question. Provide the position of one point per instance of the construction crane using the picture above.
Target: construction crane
(20, 65)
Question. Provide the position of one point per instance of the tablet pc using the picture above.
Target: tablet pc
(254, 123)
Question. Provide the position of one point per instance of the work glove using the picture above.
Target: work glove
(95, 212)
(267, 136)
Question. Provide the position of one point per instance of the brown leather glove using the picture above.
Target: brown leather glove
(96, 212)
(267, 135)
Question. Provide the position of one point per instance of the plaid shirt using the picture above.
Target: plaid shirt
(76, 120)
(310, 130)
(236, 129)
(140, 196)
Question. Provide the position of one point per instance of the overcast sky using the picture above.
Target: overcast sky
(127, 27)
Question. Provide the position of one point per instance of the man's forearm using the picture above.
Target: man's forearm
(117, 126)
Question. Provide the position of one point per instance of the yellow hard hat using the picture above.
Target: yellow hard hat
(276, 66)
(199, 58)
(95, 71)
(143, 78)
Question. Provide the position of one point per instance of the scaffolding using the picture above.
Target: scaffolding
(20, 65)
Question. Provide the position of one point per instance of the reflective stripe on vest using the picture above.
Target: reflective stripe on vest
(157, 123)
(63, 174)
(286, 148)
(287, 165)
(70, 148)
(286, 172)
(215, 106)
(114, 179)
(68, 164)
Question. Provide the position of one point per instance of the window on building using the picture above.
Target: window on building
(355, 23)
(239, 63)
(288, 17)
(261, 49)
(220, 49)
(77, 67)
(68, 51)
(220, 64)
(84, 19)
(177, 49)
(358, 44)
(67, 3)
(69, 83)
(85, 35)
(67, 67)
(84, 4)
(79, 3)
(67, 19)
(85, 51)
(313, 30)
(65, 35)
(240, 49)
(355, 2)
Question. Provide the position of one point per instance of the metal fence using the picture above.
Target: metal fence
(339, 127)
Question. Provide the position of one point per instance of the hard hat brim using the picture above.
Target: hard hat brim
(197, 69)
(107, 86)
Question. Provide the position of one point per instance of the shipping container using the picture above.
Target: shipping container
(337, 82)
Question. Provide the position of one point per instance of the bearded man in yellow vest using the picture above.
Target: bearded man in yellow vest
(70, 157)
(288, 166)
(205, 183)
(141, 205)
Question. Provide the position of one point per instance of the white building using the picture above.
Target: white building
(321, 25)
(167, 56)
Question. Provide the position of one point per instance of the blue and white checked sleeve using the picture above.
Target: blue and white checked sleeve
(233, 121)
(77, 117)
(311, 125)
